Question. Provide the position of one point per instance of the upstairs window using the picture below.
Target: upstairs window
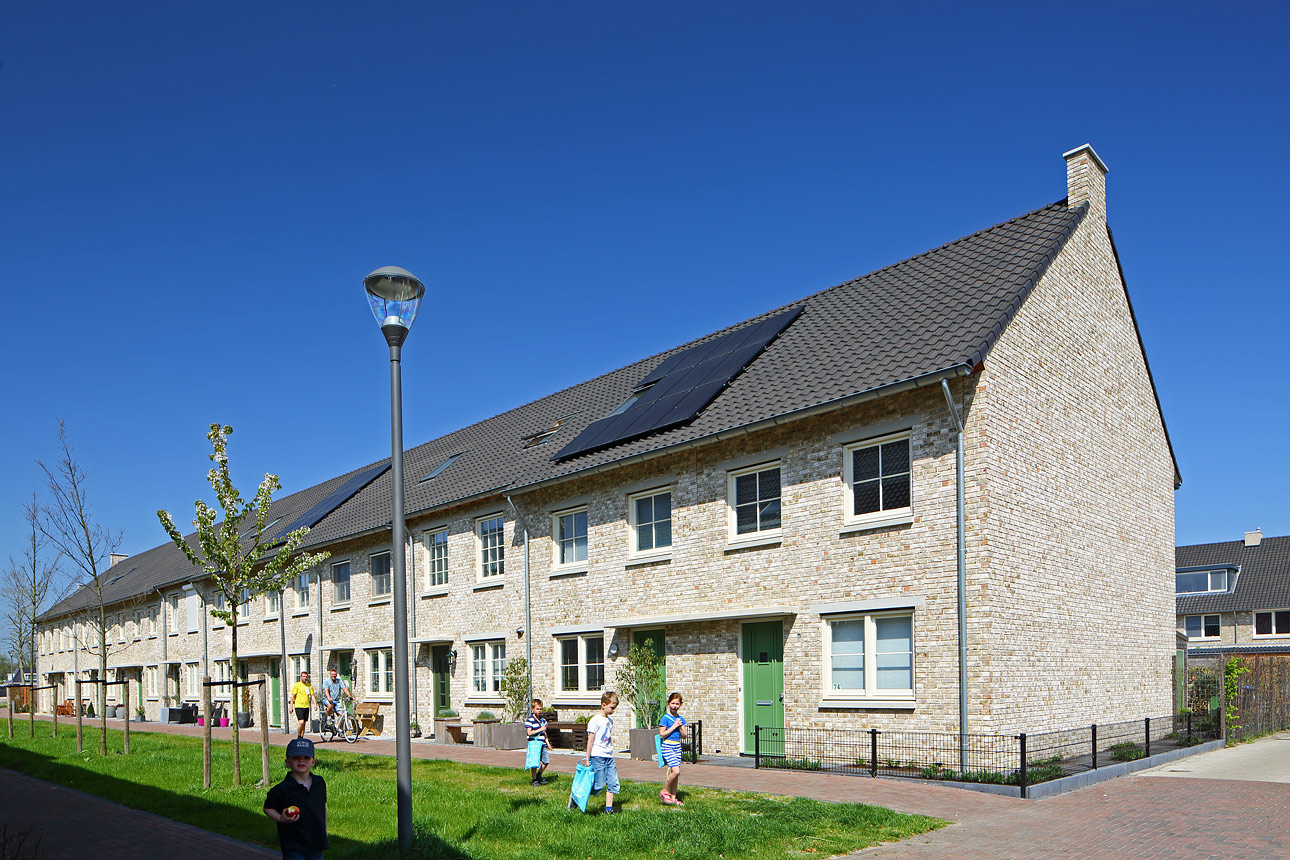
(436, 544)
(1275, 623)
(340, 582)
(877, 475)
(302, 591)
(1201, 581)
(382, 578)
(1201, 626)
(754, 500)
(651, 522)
(570, 529)
(490, 537)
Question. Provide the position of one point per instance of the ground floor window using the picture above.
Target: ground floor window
(193, 680)
(581, 663)
(150, 681)
(487, 662)
(1201, 626)
(871, 655)
(380, 672)
(1272, 623)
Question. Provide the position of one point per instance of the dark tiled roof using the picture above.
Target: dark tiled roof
(1263, 581)
(934, 313)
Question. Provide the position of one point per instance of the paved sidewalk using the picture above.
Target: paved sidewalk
(1265, 760)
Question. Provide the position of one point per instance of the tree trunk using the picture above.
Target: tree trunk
(102, 678)
(236, 698)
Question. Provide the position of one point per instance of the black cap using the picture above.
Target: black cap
(300, 746)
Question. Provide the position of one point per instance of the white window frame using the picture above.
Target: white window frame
(337, 599)
(581, 685)
(150, 682)
(380, 673)
(221, 673)
(1254, 626)
(1202, 637)
(300, 588)
(759, 535)
(487, 663)
(870, 695)
(562, 562)
(435, 542)
(244, 607)
(192, 609)
(300, 663)
(1228, 575)
(272, 605)
(882, 516)
(490, 550)
(217, 603)
(192, 680)
(387, 578)
(634, 550)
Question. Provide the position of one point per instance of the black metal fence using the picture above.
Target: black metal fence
(1019, 760)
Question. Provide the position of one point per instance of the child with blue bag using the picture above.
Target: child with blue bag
(672, 730)
(600, 756)
(536, 757)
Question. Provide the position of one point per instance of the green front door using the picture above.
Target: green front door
(275, 692)
(763, 645)
(442, 678)
(658, 644)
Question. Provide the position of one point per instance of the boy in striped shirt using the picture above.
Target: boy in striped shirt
(536, 728)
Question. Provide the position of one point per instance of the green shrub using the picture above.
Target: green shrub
(1126, 751)
(792, 763)
(485, 715)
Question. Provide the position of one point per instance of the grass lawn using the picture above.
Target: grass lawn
(462, 812)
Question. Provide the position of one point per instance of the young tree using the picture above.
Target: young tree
(28, 587)
(69, 524)
(238, 562)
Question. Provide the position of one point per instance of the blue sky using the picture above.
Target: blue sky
(193, 192)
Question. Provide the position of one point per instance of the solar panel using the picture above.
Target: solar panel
(681, 386)
(334, 500)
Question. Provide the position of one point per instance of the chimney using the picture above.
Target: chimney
(1086, 180)
(116, 558)
(1254, 538)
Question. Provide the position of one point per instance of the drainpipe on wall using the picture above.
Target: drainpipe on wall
(962, 571)
(528, 606)
(322, 667)
(412, 626)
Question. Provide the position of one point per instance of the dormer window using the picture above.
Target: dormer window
(1202, 581)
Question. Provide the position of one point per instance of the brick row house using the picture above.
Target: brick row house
(1234, 596)
(775, 507)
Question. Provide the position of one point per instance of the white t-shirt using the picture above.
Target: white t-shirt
(601, 730)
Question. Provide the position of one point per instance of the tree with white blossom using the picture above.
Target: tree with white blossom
(241, 562)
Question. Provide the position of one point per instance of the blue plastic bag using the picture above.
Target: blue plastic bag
(658, 749)
(533, 754)
(583, 776)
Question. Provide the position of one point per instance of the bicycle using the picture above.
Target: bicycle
(342, 723)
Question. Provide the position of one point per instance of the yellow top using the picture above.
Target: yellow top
(301, 693)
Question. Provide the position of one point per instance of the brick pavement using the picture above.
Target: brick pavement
(1139, 817)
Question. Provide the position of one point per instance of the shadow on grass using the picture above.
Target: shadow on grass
(203, 811)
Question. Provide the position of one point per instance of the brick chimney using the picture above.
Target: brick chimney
(116, 558)
(1086, 180)
(1254, 538)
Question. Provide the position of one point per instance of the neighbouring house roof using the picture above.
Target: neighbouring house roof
(1262, 581)
(933, 315)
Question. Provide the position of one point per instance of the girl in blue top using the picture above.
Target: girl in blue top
(672, 730)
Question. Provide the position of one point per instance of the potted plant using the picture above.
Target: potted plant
(642, 684)
(510, 734)
(414, 728)
(484, 723)
(244, 715)
(139, 714)
(442, 721)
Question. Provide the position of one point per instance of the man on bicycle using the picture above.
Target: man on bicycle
(333, 688)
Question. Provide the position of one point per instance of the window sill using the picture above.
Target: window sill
(569, 569)
(1260, 636)
(438, 591)
(488, 586)
(760, 540)
(480, 700)
(576, 699)
(380, 601)
(300, 613)
(648, 558)
(859, 702)
(266, 618)
(380, 698)
(897, 518)
(340, 607)
(565, 574)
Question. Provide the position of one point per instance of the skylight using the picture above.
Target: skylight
(438, 470)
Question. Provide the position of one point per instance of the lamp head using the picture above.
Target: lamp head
(394, 295)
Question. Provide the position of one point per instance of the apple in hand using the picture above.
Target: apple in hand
(292, 812)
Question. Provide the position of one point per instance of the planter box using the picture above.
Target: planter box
(568, 736)
(642, 743)
(243, 719)
(447, 730)
(484, 732)
(510, 736)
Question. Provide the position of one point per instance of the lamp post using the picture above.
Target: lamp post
(395, 295)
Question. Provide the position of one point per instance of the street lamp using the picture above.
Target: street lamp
(395, 295)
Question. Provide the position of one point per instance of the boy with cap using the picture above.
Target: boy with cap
(299, 805)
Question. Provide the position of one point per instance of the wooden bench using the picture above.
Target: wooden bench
(66, 709)
(366, 712)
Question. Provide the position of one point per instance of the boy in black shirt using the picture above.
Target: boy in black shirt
(299, 805)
